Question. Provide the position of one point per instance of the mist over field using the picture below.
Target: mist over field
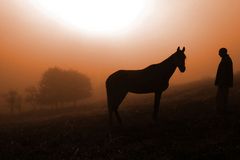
(189, 128)
(63, 61)
(31, 42)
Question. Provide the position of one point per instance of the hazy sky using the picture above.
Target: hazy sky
(31, 41)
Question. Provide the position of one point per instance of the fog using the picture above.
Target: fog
(31, 43)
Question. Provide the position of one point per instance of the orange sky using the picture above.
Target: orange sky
(32, 42)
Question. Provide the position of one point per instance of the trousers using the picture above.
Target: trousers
(222, 98)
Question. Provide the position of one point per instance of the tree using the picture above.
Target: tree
(14, 100)
(32, 96)
(58, 86)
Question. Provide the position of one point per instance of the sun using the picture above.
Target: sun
(95, 16)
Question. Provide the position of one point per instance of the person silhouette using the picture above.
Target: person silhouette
(224, 80)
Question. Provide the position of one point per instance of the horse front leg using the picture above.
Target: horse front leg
(156, 105)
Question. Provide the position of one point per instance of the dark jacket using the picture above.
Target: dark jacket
(224, 76)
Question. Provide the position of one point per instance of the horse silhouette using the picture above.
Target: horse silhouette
(152, 79)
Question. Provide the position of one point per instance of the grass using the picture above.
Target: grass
(188, 129)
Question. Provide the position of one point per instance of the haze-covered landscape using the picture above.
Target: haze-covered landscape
(56, 59)
(189, 128)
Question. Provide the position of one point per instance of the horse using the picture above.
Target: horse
(152, 79)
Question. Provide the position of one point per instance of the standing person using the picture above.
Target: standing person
(224, 80)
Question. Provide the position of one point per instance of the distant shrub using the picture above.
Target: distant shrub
(58, 86)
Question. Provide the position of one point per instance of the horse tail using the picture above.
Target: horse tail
(109, 100)
(115, 94)
(109, 89)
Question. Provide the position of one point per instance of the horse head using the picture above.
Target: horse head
(179, 59)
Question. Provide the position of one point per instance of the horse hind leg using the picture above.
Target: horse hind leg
(110, 104)
(114, 100)
(118, 117)
(119, 98)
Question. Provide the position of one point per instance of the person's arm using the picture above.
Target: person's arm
(231, 73)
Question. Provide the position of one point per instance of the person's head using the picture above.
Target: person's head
(222, 52)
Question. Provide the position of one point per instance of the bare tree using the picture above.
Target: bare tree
(32, 96)
(14, 100)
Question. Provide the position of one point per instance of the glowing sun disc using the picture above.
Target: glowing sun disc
(94, 16)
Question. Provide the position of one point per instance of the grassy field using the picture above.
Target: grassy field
(189, 129)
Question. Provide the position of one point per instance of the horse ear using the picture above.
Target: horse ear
(183, 49)
(178, 48)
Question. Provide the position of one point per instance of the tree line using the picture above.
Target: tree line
(56, 87)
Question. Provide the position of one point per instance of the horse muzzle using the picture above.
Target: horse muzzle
(182, 69)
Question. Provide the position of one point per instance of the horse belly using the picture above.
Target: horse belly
(147, 87)
(138, 90)
(136, 82)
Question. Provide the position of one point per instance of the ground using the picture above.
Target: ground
(189, 128)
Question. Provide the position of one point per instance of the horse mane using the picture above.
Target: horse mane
(165, 61)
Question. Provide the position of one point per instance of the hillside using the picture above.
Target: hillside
(188, 129)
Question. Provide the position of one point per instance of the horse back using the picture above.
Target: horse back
(137, 81)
